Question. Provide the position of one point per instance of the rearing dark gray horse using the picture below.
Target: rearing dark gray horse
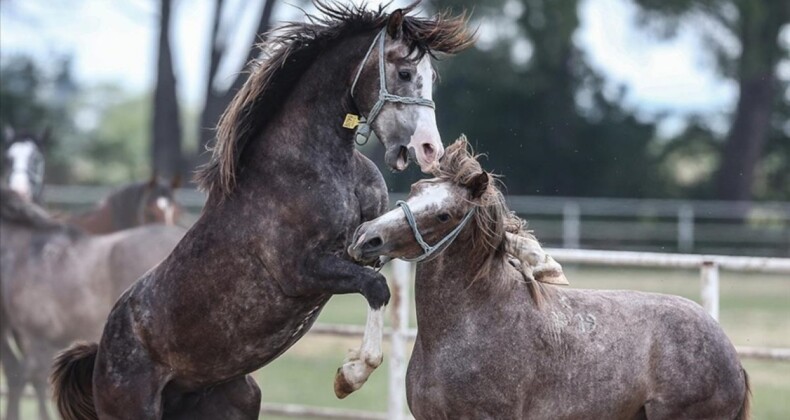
(494, 344)
(286, 191)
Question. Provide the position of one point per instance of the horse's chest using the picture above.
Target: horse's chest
(457, 381)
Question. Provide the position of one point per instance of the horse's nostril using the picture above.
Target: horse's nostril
(428, 151)
(373, 243)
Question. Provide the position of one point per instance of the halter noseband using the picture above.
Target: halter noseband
(428, 250)
(362, 124)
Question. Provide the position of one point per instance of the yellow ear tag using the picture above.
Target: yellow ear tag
(351, 121)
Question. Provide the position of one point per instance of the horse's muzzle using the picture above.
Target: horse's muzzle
(365, 246)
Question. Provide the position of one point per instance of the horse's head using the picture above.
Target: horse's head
(436, 212)
(393, 86)
(23, 162)
(144, 203)
(158, 203)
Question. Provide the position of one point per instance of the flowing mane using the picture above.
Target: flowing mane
(492, 217)
(288, 52)
(15, 209)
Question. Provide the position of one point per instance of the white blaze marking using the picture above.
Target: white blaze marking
(426, 131)
(164, 204)
(20, 154)
(433, 195)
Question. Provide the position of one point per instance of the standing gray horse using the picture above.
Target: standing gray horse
(59, 284)
(492, 343)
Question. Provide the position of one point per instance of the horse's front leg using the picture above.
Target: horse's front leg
(343, 276)
(359, 364)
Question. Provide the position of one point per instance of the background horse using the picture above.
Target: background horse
(132, 205)
(59, 285)
(23, 162)
(286, 190)
(492, 343)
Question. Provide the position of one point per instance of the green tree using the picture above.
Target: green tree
(755, 136)
(529, 100)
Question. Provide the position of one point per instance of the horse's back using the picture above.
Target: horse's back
(136, 251)
(666, 347)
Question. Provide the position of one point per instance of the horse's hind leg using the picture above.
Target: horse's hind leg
(42, 396)
(13, 369)
(129, 385)
(239, 399)
(15, 379)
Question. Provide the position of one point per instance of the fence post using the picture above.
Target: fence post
(570, 225)
(709, 275)
(685, 228)
(401, 279)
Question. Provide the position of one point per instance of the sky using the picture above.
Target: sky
(115, 42)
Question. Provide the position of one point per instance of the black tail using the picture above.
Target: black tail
(72, 382)
(743, 414)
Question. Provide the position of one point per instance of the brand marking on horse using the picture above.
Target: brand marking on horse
(584, 322)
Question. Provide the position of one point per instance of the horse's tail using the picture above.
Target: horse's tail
(743, 413)
(72, 381)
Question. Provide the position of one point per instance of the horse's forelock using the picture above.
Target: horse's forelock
(287, 52)
(493, 219)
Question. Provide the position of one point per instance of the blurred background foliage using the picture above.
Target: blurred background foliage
(526, 95)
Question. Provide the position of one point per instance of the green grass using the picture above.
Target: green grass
(755, 311)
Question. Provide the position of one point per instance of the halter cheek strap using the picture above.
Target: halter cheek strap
(363, 124)
(427, 250)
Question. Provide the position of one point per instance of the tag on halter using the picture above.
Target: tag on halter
(351, 121)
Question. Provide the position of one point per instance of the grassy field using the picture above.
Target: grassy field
(755, 311)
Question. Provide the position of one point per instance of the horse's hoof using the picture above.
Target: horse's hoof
(342, 386)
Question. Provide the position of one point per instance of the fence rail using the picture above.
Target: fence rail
(686, 226)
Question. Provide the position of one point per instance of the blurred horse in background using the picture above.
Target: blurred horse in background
(132, 205)
(59, 284)
(23, 162)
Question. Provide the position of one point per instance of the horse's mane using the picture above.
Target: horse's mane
(492, 217)
(15, 209)
(288, 52)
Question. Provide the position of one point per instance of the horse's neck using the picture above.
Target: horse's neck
(446, 289)
(308, 127)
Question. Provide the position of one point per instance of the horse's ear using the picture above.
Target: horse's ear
(478, 184)
(152, 181)
(395, 24)
(8, 134)
(175, 182)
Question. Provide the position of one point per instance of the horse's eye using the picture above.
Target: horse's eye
(444, 217)
(404, 75)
